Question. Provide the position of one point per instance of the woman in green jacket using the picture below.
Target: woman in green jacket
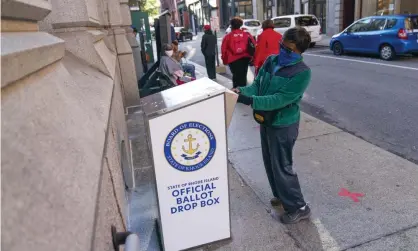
(275, 96)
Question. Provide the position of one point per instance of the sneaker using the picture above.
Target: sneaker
(275, 202)
(295, 217)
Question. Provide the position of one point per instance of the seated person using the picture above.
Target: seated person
(180, 56)
(177, 55)
(168, 65)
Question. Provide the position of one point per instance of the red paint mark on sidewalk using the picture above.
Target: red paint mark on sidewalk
(354, 196)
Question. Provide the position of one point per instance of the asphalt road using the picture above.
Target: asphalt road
(370, 98)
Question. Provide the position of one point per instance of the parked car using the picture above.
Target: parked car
(252, 26)
(309, 22)
(182, 34)
(386, 36)
(152, 30)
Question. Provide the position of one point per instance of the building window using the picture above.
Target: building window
(378, 24)
(285, 7)
(360, 26)
(391, 23)
(244, 9)
(378, 8)
(306, 21)
(411, 23)
(282, 22)
(267, 6)
(385, 7)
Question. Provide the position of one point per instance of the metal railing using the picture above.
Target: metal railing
(132, 243)
(129, 239)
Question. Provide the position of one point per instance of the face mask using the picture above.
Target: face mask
(169, 53)
(287, 56)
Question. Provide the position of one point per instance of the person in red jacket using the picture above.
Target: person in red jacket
(235, 52)
(268, 43)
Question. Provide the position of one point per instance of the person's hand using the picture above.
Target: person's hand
(245, 100)
(236, 90)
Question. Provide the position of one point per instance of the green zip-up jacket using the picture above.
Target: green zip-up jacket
(282, 90)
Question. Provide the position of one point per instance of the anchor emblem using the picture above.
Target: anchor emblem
(190, 150)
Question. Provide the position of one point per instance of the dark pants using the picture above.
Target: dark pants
(277, 147)
(239, 69)
(210, 66)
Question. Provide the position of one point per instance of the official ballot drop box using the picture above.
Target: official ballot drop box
(187, 136)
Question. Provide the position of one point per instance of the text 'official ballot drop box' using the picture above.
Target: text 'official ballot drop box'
(187, 136)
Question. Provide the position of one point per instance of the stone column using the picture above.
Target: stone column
(297, 7)
(95, 32)
(260, 9)
(24, 50)
(256, 9)
(357, 14)
(125, 55)
(339, 12)
(398, 7)
(136, 52)
(63, 128)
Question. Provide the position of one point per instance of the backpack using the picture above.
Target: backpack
(239, 43)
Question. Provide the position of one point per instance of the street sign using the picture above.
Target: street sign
(214, 23)
(187, 130)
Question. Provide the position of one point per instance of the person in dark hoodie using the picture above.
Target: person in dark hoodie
(208, 46)
(275, 96)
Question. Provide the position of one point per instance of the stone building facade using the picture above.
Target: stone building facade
(342, 13)
(67, 76)
(336, 15)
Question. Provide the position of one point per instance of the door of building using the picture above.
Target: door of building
(268, 10)
(321, 14)
(348, 12)
(319, 9)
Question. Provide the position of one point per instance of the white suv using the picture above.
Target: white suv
(252, 26)
(309, 22)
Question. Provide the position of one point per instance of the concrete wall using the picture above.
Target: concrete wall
(331, 29)
(357, 14)
(410, 6)
(334, 17)
(369, 8)
(65, 151)
(258, 10)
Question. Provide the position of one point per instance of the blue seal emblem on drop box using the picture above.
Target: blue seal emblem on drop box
(190, 146)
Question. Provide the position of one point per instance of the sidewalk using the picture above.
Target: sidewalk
(324, 42)
(252, 227)
(328, 161)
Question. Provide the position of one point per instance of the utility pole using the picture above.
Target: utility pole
(214, 23)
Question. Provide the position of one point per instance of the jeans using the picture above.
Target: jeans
(189, 68)
(277, 147)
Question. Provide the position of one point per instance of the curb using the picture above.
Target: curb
(321, 45)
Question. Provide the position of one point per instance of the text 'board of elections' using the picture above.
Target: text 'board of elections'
(190, 161)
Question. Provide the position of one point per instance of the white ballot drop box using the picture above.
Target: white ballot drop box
(187, 128)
